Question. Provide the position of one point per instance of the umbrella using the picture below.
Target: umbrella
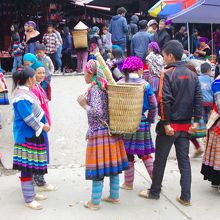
(205, 11)
(165, 8)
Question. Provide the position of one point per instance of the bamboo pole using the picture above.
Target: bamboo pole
(106, 69)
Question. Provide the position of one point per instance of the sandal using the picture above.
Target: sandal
(183, 202)
(47, 188)
(34, 205)
(146, 194)
(110, 200)
(91, 206)
(126, 187)
(40, 197)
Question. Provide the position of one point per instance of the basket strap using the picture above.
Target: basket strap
(105, 123)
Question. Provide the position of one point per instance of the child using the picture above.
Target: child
(105, 155)
(51, 42)
(179, 98)
(30, 128)
(17, 50)
(3, 93)
(139, 143)
(206, 81)
(106, 41)
(31, 60)
(116, 63)
(40, 93)
(93, 49)
(156, 63)
(45, 60)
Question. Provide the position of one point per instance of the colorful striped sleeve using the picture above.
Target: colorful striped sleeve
(152, 104)
(24, 108)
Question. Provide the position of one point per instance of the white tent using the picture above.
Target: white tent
(205, 11)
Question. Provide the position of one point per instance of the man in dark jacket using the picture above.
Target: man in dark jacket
(162, 36)
(119, 28)
(179, 100)
(140, 41)
(132, 30)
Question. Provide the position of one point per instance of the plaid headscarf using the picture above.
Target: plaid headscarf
(99, 79)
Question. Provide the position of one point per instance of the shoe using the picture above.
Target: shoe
(183, 202)
(47, 188)
(110, 200)
(198, 153)
(147, 195)
(34, 205)
(91, 206)
(126, 187)
(40, 197)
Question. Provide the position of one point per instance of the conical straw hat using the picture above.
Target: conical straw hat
(80, 26)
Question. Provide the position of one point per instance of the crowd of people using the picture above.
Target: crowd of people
(185, 101)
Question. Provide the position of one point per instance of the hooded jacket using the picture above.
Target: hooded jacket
(133, 27)
(179, 95)
(118, 28)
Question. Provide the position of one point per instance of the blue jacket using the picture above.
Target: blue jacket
(118, 28)
(67, 43)
(139, 44)
(206, 87)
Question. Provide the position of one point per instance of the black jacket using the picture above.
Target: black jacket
(179, 95)
(162, 37)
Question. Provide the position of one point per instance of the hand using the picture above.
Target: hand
(82, 101)
(193, 128)
(169, 130)
(46, 127)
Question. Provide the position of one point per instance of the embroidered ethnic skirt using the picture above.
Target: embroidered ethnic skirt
(105, 155)
(139, 143)
(31, 156)
(4, 98)
(211, 158)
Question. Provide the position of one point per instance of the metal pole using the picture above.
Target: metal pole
(188, 36)
(212, 39)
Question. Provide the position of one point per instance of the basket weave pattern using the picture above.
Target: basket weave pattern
(80, 39)
(125, 107)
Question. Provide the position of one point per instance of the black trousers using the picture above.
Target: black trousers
(163, 147)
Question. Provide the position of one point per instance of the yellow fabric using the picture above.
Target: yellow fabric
(157, 9)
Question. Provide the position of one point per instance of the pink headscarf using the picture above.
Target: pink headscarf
(132, 64)
(94, 68)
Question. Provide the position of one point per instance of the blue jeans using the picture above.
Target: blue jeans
(17, 63)
(58, 58)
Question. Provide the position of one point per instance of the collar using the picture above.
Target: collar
(24, 88)
(133, 76)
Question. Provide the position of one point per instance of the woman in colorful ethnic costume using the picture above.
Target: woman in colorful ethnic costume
(139, 143)
(41, 95)
(211, 158)
(105, 155)
(30, 128)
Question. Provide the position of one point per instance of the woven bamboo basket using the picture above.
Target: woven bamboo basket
(80, 38)
(125, 107)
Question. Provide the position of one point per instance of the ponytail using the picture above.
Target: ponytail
(21, 76)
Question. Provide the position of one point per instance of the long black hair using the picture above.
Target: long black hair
(21, 76)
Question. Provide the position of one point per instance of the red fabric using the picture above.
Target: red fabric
(25, 179)
(180, 127)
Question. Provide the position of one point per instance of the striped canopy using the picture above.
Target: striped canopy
(165, 8)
